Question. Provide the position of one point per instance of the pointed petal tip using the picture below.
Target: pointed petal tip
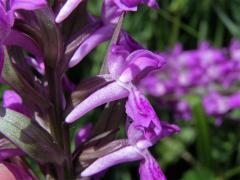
(69, 119)
(59, 19)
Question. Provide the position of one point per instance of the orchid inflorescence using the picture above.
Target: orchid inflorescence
(39, 42)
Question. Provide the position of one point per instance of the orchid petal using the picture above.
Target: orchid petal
(27, 4)
(150, 169)
(127, 5)
(116, 60)
(67, 9)
(5, 24)
(140, 63)
(126, 154)
(1, 59)
(109, 93)
(140, 110)
(102, 34)
(110, 12)
(22, 40)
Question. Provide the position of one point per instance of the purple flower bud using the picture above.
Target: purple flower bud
(83, 134)
(13, 101)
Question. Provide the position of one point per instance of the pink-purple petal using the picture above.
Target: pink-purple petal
(27, 4)
(22, 40)
(102, 34)
(109, 93)
(149, 169)
(140, 63)
(67, 9)
(126, 154)
(140, 110)
(117, 60)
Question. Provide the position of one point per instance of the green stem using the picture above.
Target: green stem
(183, 26)
(232, 172)
(203, 136)
(60, 131)
(55, 110)
(175, 30)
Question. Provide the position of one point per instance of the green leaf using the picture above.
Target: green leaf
(230, 25)
(29, 136)
(199, 174)
(202, 132)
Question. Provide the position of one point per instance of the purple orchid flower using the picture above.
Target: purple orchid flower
(111, 11)
(215, 104)
(125, 68)
(135, 150)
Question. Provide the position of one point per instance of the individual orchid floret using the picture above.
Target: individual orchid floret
(131, 67)
(136, 150)
(67, 9)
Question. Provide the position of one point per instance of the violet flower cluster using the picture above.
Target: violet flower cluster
(207, 72)
(39, 43)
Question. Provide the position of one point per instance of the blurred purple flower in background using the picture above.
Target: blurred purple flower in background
(207, 72)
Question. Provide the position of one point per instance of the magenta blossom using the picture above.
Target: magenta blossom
(125, 68)
(135, 150)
